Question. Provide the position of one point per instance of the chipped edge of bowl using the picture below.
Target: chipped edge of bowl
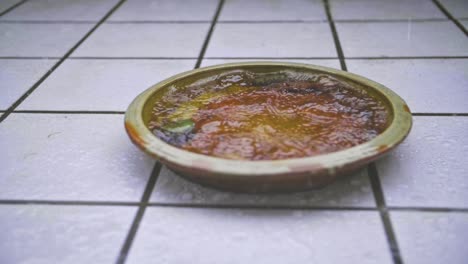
(329, 164)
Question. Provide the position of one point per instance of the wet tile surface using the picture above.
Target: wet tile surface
(271, 40)
(42, 40)
(70, 157)
(71, 182)
(385, 39)
(352, 190)
(62, 234)
(458, 8)
(430, 237)
(166, 10)
(427, 85)
(382, 9)
(58, 10)
(175, 235)
(332, 63)
(18, 76)
(5, 4)
(429, 169)
(102, 85)
(144, 40)
(264, 10)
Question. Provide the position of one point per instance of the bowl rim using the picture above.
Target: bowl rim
(366, 152)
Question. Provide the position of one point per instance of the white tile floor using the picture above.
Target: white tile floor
(422, 82)
(62, 234)
(17, 76)
(457, 8)
(74, 190)
(102, 84)
(432, 237)
(53, 10)
(166, 10)
(384, 9)
(144, 40)
(386, 39)
(70, 157)
(272, 40)
(39, 40)
(266, 10)
(177, 235)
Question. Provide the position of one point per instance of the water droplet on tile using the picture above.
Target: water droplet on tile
(298, 214)
(187, 196)
(239, 236)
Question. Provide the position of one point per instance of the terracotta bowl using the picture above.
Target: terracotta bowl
(267, 176)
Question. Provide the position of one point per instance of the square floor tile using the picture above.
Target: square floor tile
(458, 8)
(427, 85)
(43, 40)
(272, 40)
(352, 190)
(71, 10)
(63, 234)
(282, 10)
(432, 238)
(145, 40)
(70, 157)
(383, 9)
(175, 235)
(429, 169)
(101, 84)
(402, 39)
(5, 4)
(327, 63)
(18, 76)
(161, 10)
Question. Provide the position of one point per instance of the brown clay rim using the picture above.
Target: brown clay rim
(398, 129)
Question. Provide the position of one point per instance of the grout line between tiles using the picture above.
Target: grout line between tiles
(208, 36)
(428, 209)
(13, 7)
(449, 16)
(263, 207)
(48, 21)
(231, 206)
(339, 50)
(298, 21)
(400, 20)
(139, 214)
(270, 58)
(407, 58)
(72, 203)
(158, 22)
(132, 58)
(439, 114)
(236, 58)
(28, 58)
(384, 215)
(272, 21)
(56, 65)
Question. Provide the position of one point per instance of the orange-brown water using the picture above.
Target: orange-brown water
(268, 120)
